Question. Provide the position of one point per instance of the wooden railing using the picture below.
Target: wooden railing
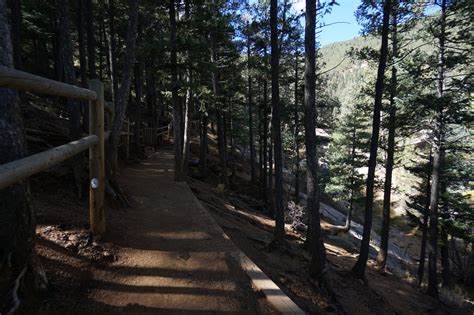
(18, 170)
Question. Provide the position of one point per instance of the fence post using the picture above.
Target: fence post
(97, 161)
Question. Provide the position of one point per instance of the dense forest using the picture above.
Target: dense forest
(364, 144)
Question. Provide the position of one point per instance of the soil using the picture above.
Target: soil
(161, 255)
(241, 216)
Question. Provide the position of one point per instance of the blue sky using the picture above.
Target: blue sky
(344, 12)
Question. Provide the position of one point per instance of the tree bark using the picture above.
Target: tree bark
(424, 233)
(297, 122)
(90, 39)
(112, 48)
(437, 161)
(314, 238)
(276, 124)
(178, 144)
(203, 146)
(359, 267)
(384, 236)
(250, 117)
(16, 21)
(66, 56)
(138, 74)
(122, 95)
(17, 218)
(264, 177)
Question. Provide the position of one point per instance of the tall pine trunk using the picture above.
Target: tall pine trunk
(178, 144)
(424, 231)
(296, 131)
(121, 102)
(250, 116)
(16, 21)
(66, 57)
(384, 236)
(315, 240)
(90, 39)
(276, 124)
(137, 111)
(264, 177)
(112, 48)
(437, 161)
(359, 267)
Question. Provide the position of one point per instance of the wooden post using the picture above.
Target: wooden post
(97, 161)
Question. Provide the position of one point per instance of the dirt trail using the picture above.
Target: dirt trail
(172, 256)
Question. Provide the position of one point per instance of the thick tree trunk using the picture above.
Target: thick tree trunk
(384, 235)
(90, 39)
(314, 238)
(17, 218)
(276, 124)
(424, 232)
(250, 115)
(122, 95)
(16, 21)
(359, 267)
(66, 56)
(81, 31)
(437, 162)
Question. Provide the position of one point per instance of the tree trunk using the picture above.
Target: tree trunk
(359, 267)
(178, 145)
(219, 116)
(347, 225)
(151, 92)
(90, 39)
(276, 125)
(188, 109)
(112, 48)
(296, 118)
(138, 74)
(265, 143)
(445, 264)
(66, 57)
(203, 146)
(16, 21)
(437, 157)
(17, 218)
(384, 236)
(250, 118)
(424, 233)
(122, 95)
(315, 240)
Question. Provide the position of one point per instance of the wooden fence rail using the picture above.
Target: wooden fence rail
(18, 170)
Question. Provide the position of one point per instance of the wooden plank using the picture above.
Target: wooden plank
(18, 170)
(260, 281)
(23, 81)
(97, 161)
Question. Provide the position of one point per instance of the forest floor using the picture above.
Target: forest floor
(157, 257)
(239, 212)
(164, 254)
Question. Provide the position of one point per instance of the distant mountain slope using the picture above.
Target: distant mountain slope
(345, 76)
